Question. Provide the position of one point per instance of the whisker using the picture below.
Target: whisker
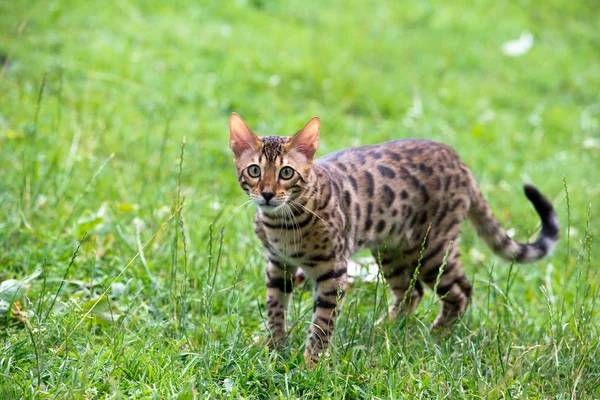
(285, 222)
(235, 200)
(310, 191)
(246, 203)
(295, 227)
(284, 215)
(329, 227)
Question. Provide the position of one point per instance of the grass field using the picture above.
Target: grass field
(138, 280)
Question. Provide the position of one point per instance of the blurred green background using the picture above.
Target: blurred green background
(96, 98)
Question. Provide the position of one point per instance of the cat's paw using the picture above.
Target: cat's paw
(311, 359)
(313, 355)
(442, 329)
(259, 341)
(309, 362)
(388, 318)
(265, 341)
(300, 277)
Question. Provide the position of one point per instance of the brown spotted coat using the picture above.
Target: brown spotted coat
(404, 200)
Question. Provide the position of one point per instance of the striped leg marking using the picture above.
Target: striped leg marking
(407, 290)
(330, 289)
(453, 289)
(280, 283)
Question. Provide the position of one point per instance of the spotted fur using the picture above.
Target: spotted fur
(404, 200)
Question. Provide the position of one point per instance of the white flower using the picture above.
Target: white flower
(518, 47)
(591, 143)
(274, 80)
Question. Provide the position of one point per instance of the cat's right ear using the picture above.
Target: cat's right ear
(241, 138)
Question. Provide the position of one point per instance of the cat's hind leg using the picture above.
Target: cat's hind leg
(406, 288)
(451, 285)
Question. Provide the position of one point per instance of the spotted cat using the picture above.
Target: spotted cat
(394, 198)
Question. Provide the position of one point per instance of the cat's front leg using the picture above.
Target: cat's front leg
(280, 283)
(330, 289)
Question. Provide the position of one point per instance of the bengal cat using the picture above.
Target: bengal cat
(392, 198)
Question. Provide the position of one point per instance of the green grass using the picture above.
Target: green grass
(165, 295)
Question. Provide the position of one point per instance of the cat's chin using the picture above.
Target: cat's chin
(270, 208)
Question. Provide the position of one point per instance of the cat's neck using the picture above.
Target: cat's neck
(316, 194)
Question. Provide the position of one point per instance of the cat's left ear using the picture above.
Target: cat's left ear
(306, 141)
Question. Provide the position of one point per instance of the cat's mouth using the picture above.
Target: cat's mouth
(271, 207)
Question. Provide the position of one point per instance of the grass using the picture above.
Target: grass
(144, 283)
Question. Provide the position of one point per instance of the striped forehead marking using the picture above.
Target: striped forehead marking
(273, 147)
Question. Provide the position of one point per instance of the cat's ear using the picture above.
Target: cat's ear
(306, 141)
(241, 138)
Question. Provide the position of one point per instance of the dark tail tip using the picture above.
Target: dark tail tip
(545, 210)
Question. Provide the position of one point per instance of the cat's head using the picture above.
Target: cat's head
(273, 170)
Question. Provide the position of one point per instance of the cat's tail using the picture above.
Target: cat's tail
(489, 229)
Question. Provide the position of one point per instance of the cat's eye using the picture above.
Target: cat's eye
(286, 173)
(254, 171)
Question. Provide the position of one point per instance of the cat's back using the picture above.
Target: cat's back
(420, 155)
(394, 189)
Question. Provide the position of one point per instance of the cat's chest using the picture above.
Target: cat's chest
(295, 242)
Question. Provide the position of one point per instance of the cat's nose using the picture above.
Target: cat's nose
(267, 196)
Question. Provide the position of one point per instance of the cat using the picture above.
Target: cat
(404, 200)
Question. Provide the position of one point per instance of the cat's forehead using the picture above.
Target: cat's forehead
(273, 147)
